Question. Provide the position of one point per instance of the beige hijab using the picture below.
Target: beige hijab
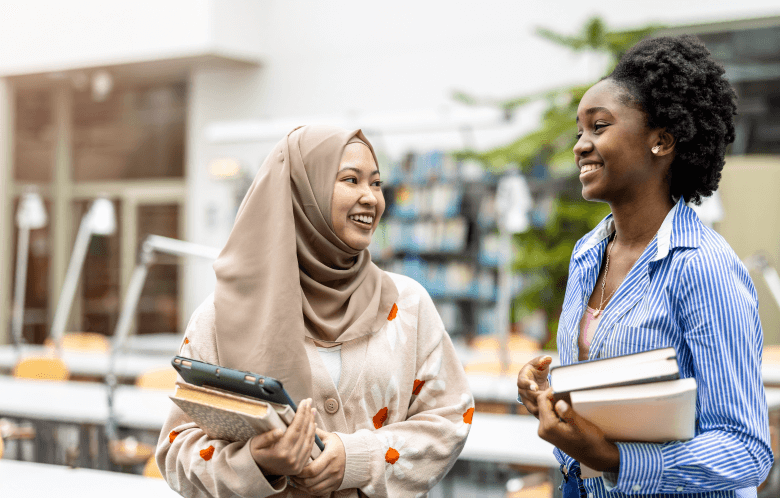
(284, 273)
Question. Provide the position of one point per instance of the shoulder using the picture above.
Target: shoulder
(713, 266)
(407, 286)
(417, 309)
(200, 338)
(411, 294)
(713, 254)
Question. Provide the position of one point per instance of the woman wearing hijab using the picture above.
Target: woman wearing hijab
(362, 351)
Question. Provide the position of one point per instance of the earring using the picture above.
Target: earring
(656, 149)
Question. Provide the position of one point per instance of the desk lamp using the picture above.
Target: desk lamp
(99, 220)
(30, 215)
(146, 257)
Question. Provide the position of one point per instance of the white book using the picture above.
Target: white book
(654, 412)
(645, 367)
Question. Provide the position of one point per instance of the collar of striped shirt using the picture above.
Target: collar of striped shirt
(679, 229)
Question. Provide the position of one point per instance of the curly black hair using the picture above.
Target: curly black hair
(679, 87)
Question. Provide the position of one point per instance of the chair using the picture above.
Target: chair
(151, 469)
(544, 490)
(37, 368)
(129, 451)
(41, 368)
(83, 341)
(534, 485)
(164, 378)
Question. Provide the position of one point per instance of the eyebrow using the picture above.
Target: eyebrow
(350, 168)
(593, 110)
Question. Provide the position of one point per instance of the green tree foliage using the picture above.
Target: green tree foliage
(543, 253)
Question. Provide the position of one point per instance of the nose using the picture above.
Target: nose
(367, 196)
(583, 146)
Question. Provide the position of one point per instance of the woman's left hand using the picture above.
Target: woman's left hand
(574, 435)
(324, 474)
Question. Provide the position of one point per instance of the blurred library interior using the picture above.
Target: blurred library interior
(122, 124)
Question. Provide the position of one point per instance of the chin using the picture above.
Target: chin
(591, 194)
(358, 245)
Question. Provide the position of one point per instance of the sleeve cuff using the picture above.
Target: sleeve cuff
(358, 455)
(641, 468)
(255, 482)
(610, 480)
(563, 459)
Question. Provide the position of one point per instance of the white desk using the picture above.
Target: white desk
(91, 364)
(83, 403)
(23, 479)
(771, 374)
(160, 344)
(507, 439)
(493, 388)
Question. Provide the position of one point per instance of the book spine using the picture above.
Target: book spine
(659, 378)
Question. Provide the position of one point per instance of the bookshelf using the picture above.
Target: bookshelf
(439, 228)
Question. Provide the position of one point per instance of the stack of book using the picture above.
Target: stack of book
(638, 397)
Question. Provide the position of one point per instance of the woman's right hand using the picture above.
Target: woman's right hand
(286, 452)
(531, 380)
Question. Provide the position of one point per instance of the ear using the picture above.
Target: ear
(664, 143)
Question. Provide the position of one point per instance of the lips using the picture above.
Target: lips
(586, 168)
(365, 220)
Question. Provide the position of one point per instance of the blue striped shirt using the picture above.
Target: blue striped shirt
(687, 290)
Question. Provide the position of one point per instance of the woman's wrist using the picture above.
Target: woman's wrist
(607, 459)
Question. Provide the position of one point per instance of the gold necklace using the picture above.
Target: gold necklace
(604, 283)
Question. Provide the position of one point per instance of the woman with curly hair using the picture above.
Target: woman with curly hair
(652, 137)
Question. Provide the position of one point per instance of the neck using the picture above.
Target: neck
(638, 220)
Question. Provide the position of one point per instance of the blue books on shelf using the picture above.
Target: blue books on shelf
(405, 203)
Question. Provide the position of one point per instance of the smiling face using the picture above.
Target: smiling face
(357, 203)
(613, 150)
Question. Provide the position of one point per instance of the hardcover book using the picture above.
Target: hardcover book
(633, 398)
(648, 366)
(231, 417)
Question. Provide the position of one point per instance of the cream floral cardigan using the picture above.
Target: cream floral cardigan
(403, 410)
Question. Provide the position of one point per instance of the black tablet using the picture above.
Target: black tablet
(250, 384)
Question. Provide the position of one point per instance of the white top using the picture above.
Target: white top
(331, 357)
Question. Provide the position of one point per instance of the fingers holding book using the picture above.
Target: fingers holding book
(288, 451)
(532, 379)
(324, 474)
(560, 425)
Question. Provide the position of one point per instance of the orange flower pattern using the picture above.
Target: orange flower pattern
(398, 454)
(173, 435)
(393, 313)
(382, 402)
(186, 341)
(207, 453)
(467, 407)
(392, 456)
(401, 321)
(418, 384)
(379, 418)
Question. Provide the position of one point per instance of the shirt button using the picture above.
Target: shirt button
(590, 495)
(680, 488)
(331, 406)
(636, 487)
